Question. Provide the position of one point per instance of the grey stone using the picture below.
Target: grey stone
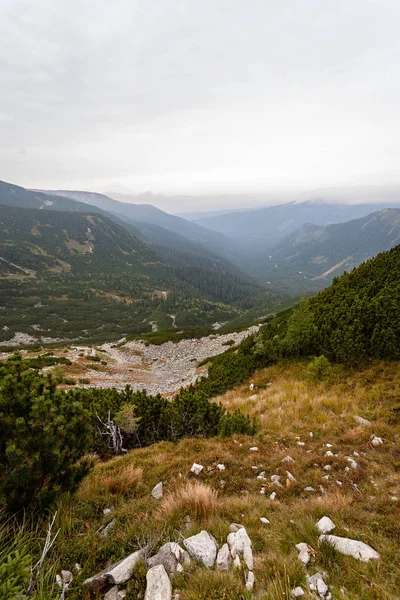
(170, 555)
(304, 553)
(325, 525)
(115, 574)
(237, 541)
(106, 530)
(264, 520)
(290, 477)
(224, 558)
(316, 583)
(157, 491)
(297, 592)
(115, 594)
(349, 547)
(158, 584)
(202, 547)
(361, 421)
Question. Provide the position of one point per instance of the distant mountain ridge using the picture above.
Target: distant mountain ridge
(329, 251)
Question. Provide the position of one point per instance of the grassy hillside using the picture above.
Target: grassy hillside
(299, 417)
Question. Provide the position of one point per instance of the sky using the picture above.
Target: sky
(199, 97)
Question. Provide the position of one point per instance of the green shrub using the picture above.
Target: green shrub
(318, 368)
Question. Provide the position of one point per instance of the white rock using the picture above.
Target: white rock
(202, 547)
(316, 583)
(310, 488)
(304, 553)
(236, 562)
(224, 558)
(275, 478)
(254, 449)
(300, 444)
(376, 441)
(264, 521)
(328, 453)
(196, 469)
(290, 477)
(361, 421)
(328, 445)
(272, 496)
(254, 468)
(221, 467)
(238, 541)
(325, 525)
(251, 387)
(340, 483)
(350, 547)
(248, 557)
(250, 581)
(352, 462)
(157, 491)
(106, 511)
(158, 584)
(287, 459)
(253, 397)
(327, 467)
(297, 592)
(115, 574)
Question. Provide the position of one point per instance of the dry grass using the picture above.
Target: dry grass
(289, 406)
(110, 481)
(193, 498)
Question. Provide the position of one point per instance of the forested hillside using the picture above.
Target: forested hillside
(69, 275)
(356, 318)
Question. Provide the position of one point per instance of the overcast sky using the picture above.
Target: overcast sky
(199, 96)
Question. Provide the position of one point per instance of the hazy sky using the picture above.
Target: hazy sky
(199, 96)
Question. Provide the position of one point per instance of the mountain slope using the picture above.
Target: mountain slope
(68, 274)
(267, 226)
(329, 251)
(146, 213)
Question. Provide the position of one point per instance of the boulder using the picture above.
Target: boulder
(349, 547)
(202, 547)
(158, 584)
(115, 574)
(157, 491)
(297, 592)
(170, 555)
(196, 469)
(224, 558)
(325, 525)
